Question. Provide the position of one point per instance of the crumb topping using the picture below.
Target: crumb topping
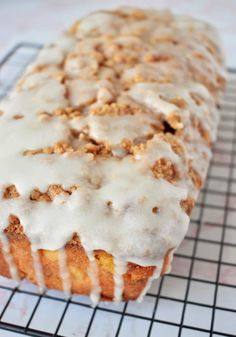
(165, 169)
(10, 192)
(195, 176)
(188, 205)
(116, 116)
(116, 109)
(155, 210)
(51, 193)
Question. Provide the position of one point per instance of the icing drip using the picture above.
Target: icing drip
(120, 269)
(62, 259)
(156, 275)
(95, 292)
(8, 257)
(170, 259)
(37, 268)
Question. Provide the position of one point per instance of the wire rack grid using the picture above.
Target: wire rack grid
(198, 298)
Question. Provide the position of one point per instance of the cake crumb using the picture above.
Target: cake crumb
(196, 98)
(188, 205)
(197, 123)
(155, 210)
(174, 143)
(45, 115)
(165, 169)
(175, 121)
(179, 102)
(51, 193)
(117, 109)
(16, 117)
(195, 177)
(68, 112)
(157, 58)
(10, 192)
(14, 226)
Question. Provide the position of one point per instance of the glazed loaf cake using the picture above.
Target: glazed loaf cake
(105, 144)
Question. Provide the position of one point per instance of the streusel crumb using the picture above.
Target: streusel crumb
(195, 176)
(11, 192)
(51, 193)
(188, 205)
(165, 169)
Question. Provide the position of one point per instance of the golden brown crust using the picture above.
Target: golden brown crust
(135, 277)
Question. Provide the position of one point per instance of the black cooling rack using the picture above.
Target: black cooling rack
(198, 298)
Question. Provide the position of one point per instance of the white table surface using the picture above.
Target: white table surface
(42, 20)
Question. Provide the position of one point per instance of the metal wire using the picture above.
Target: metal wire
(172, 307)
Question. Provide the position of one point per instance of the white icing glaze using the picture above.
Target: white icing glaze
(113, 129)
(151, 97)
(37, 267)
(131, 190)
(65, 276)
(49, 56)
(170, 259)
(120, 269)
(80, 66)
(65, 43)
(46, 97)
(35, 80)
(110, 23)
(156, 96)
(84, 91)
(95, 292)
(8, 258)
